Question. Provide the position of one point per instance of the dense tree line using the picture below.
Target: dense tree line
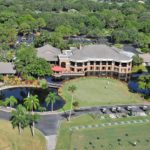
(50, 21)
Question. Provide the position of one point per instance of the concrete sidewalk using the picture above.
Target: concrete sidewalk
(51, 141)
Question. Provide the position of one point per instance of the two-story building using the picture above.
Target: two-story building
(94, 60)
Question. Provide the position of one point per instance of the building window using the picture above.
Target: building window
(103, 62)
(63, 65)
(97, 68)
(72, 69)
(109, 62)
(124, 64)
(103, 68)
(109, 68)
(97, 63)
(72, 63)
(117, 63)
(79, 70)
(79, 64)
(91, 68)
(85, 63)
(85, 69)
(91, 62)
(122, 75)
(116, 69)
(123, 70)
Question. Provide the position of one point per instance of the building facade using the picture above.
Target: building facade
(95, 60)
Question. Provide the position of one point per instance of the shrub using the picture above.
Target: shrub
(1, 78)
(42, 109)
(43, 84)
(139, 69)
(75, 104)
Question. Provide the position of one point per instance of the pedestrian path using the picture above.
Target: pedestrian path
(51, 142)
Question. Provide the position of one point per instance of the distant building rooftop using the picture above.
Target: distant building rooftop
(7, 68)
(48, 52)
(146, 57)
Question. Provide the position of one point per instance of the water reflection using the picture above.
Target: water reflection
(21, 93)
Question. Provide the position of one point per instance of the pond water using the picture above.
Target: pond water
(21, 93)
(134, 87)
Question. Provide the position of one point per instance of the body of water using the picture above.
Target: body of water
(134, 87)
(21, 93)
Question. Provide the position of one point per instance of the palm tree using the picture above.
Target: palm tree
(32, 103)
(11, 101)
(19, 118)
(51, 98)
(71, 89)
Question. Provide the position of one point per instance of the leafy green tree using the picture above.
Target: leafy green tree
(66, 30)
(2, 103)
(143, 42)
(71, 89)
(24, 57)
(19, 118)
(57, 40)
(137, 60)
(10, 55)
(43, 84)
(40, 23)
(139, 69)
(11, 101)
(145, 26)
(1, 78)
(33, 118)
(24, 28)
(32, 103)
(119, 36)
(27, 23)
(39, 67)
(51, 98)
(144, 83)
(42, 39)
(112, 21)
(93, 22)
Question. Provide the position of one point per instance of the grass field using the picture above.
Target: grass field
(11, 140)
(117, 137)
(99, 91)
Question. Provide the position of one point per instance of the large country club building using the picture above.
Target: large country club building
(91, 60)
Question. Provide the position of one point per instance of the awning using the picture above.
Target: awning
(57, 69)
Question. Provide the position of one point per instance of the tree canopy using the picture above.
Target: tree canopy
(52, 21)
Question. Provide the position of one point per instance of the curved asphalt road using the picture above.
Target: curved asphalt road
(48, 124)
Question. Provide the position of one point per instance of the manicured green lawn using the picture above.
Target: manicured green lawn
(11, 140)
(120, 137)
(99, 91)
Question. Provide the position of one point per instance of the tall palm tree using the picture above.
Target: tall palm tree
(51, 98)
(19, 118)
(71, 89)
(32, 103)
(11, 101)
